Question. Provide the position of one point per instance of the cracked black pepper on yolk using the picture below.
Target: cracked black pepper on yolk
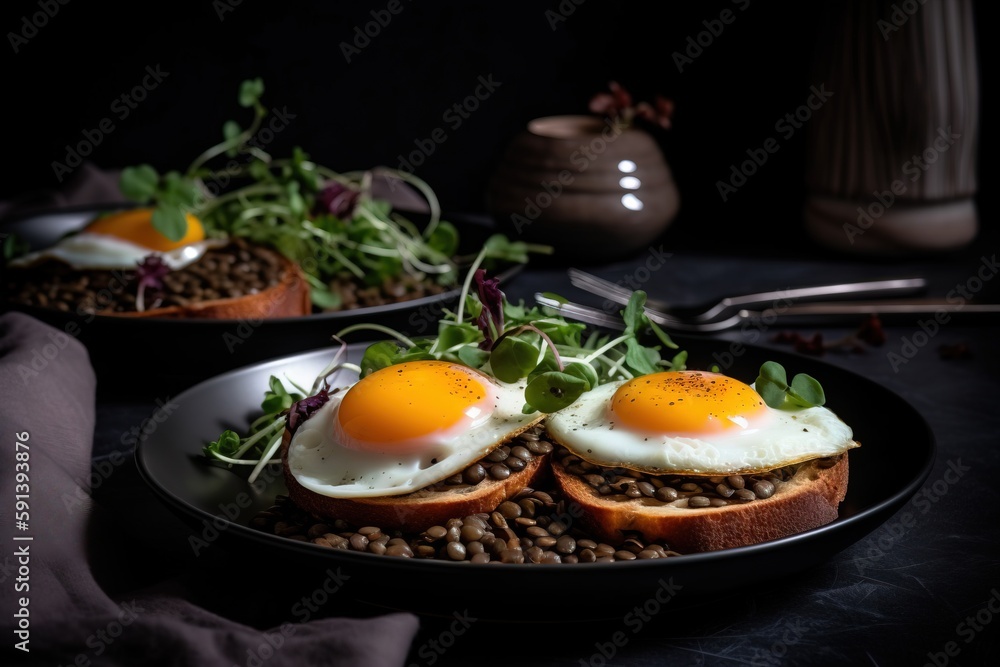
(685, 402)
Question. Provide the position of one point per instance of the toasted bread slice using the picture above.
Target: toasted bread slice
(417, 511)
(808, 499)
(289, 298)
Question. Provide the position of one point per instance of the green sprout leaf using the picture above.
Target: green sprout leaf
(14, 245)
(498, 246)
(773, 372)
(679, 361)
(638, 357)
(378, 355)
(178, 190)
(634, 315)
(585, 372)
(473, 357)
(552, 391)
(277, 398)
(259, 171)
(806, 391)
(452, 335)
(772, 385)
(170, 221)
(512, 359)
(662, 335)
(444, 239)
(251, 91)
(641, 359)
(325, 299)
(227, 444)
(555, 297)
(139, 183)
(230, 131)
(772, 394)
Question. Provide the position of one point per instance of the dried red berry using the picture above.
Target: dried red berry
(871, 331)
(812, 345)
(618, 105)
(955, 351)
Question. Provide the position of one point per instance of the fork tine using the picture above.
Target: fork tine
(611, 291)
(575, 311)
(622, 295)
(599, 286)
(597, 316)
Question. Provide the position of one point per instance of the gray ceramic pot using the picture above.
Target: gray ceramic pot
(593, 190)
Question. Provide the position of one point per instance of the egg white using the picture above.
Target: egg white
(782, 437)
(88, 250)
(321, 464)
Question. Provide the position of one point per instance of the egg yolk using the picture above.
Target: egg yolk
(401, 408)
(136, 226)
(686, 403)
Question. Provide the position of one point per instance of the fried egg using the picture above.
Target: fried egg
(694, 422)
(121, 241)
(404, 427)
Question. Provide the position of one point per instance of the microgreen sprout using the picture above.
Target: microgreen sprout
(557, 360)
(773, 386)
(280, 409)
(330, 223)
(512, 342)
(490, 320)
(150, 271)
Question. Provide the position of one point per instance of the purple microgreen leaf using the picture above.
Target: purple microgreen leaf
(303, 409)
(337, 199)
(150, 272)
(490, 320)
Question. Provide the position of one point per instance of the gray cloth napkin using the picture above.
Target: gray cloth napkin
(88, 185)
(50, 598)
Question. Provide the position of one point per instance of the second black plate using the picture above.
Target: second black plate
(186, 351)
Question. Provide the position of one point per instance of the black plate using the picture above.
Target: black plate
(191, 350)
(895, 458)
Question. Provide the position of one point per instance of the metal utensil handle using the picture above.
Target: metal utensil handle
(872, 288)
(938, 306)
(620, 294)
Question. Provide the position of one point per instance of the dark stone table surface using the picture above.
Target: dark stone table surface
(923, 588)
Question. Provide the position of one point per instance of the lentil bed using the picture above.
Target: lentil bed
(534, 526)
(231, 271)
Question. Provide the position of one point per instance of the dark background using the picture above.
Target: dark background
(355, 115)
(368, 112)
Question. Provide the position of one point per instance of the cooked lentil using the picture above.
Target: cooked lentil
(531, 527)
(235, 270)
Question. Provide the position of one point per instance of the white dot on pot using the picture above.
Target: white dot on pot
(626, 166)
(632, 202)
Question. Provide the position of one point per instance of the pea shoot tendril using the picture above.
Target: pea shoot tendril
(335, 226)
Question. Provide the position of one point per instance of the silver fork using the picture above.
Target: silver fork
(715, 312)
(846, 311)
(596, 316)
